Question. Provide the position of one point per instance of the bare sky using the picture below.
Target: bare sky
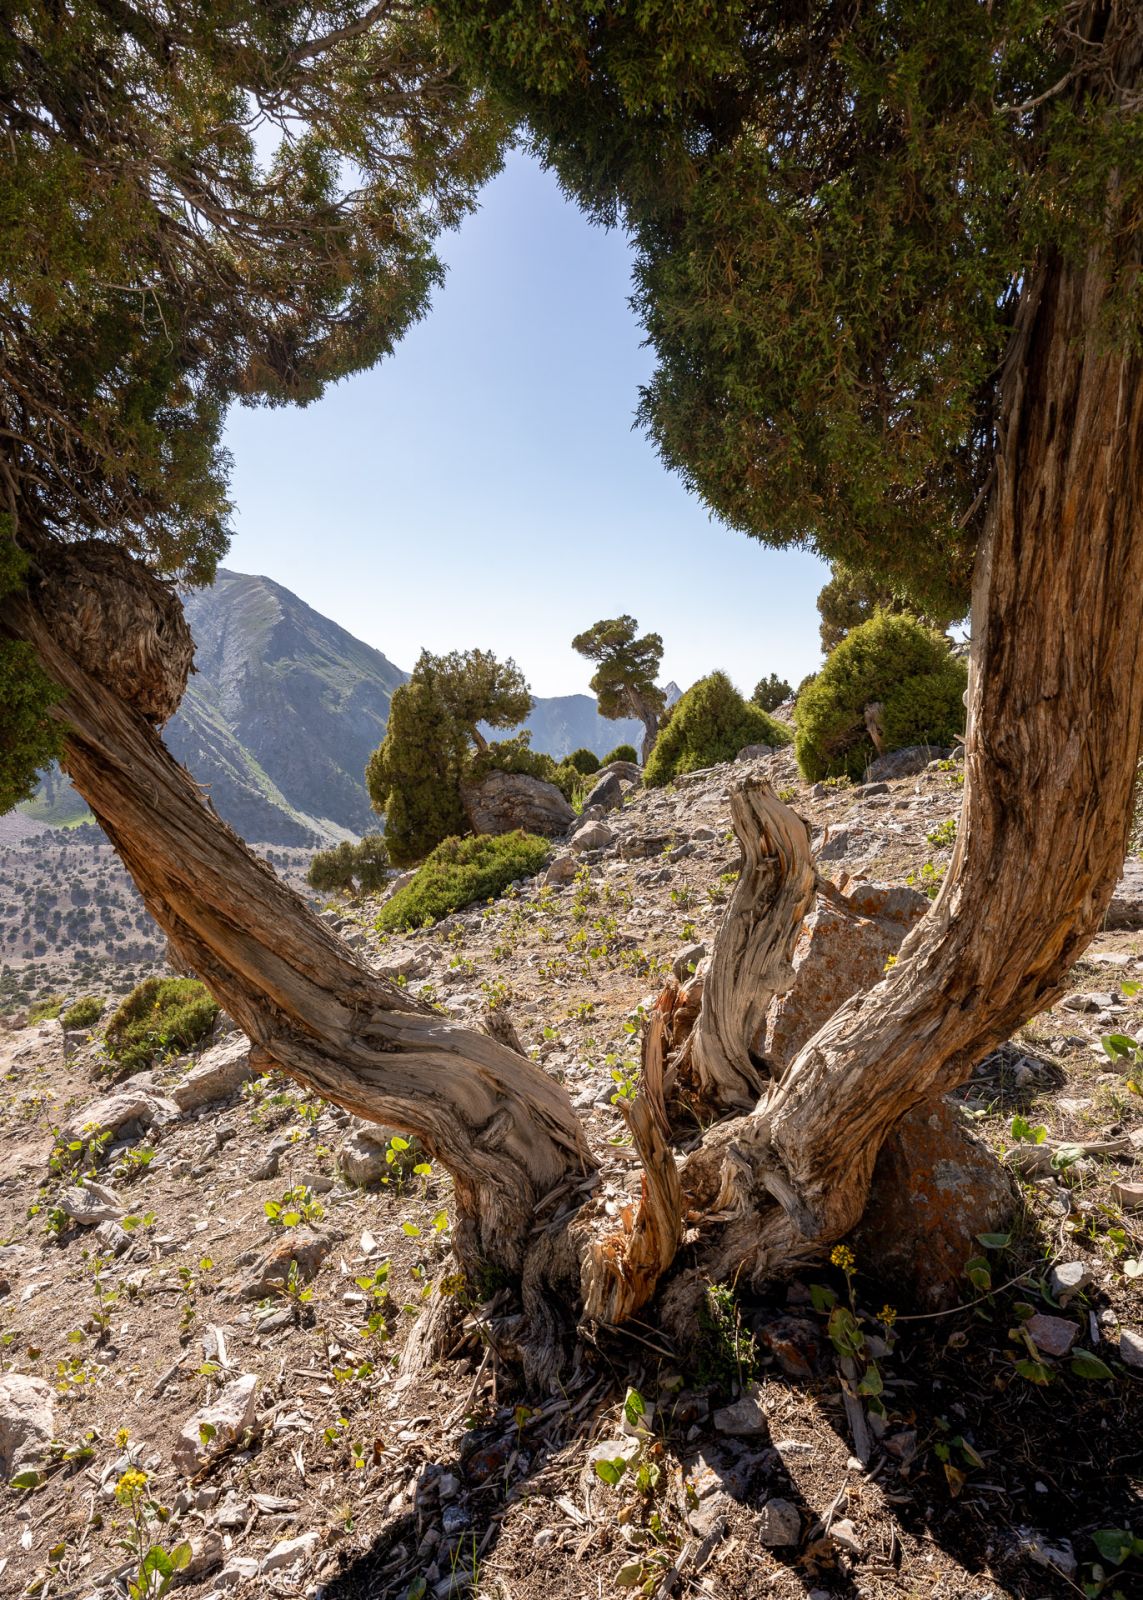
(485, 486)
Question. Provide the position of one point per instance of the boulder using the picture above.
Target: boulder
(842, 949)
(625, 771)
(591, 836)
(27, 1423)
(606, 793)
(904, 763)
(361, 1158)
(125, 1112)
(562, 868)
(754, 752)
(503, 801)
(219, 1074)
(91, 1203)
(1126, 908)
(216, 1426)
(935, 1187)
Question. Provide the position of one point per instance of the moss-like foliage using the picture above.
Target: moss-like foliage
(360, 868)
(893, 661)
(622, 752)
(584, 761)
(159, 1016)
(84, 1013)
(460, 871)
(711, 723)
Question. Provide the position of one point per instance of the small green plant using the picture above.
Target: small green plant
(84, 1013)
(44, 1010)
(375, 1287)
(943, 834)
(156, 1566)
(1116, 1547)
(729, 1352)
(106, 1298)
(929, 879)
(296, 1291)
(296, 1206)
(81, 1157)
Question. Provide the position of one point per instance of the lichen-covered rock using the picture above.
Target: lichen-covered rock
(503, 801)
(842, 949)
(935, 1187)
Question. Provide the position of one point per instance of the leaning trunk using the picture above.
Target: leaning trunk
(506, 1132)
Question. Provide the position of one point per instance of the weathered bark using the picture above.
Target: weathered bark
(752, 954)
(506, 1131)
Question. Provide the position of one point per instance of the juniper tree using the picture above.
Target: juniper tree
(770, 692)
(624, 680)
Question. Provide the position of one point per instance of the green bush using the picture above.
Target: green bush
(770, 692)
(158, 1016)
(355, 868)
(460, 871)
(45, 1010)
(895, 661)
(622, 752)
(711, 723)
(517, 756)
(584, 761)
(84, 1013)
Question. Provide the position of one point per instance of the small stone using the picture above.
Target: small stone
(228, 1415)
(290, 1552)
(91, 1203)
(591, 836)
(796, 1345)
(744, 1418)
(1054, 1553)
(1128, 1194)
(1094, 1001)
(687, 960)
(844, 1534)
(1131, 1349)
(455, 1518)
(1068, 1279)
(1053, 1336)
(562, 868)
(779, 1524)
(236, 1570)
(272, 1269)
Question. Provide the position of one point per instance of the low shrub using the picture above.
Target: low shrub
(360, 868)
(159, 1016)
(517, 756)
(622, 752)
(460, 871)
(893, 661)
(584, 761)
(84, 1013)
(711, 723)
(45, 1010)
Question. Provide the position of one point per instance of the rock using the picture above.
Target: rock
(112, 1238)
(935, 1187)
(1068, 1279)
(904, 763)
(1053, 1336)
(844, 1535)
(504, 801)
(220, 1072)
(606, 792)
(229, 1415)
(562, 868)
(866, 791)
(837, 843)
(1128, 1194)
(591, 836)
(289, 1552)
(408, 964)
(1131, 1349)
(271, 1270)
(1055, 1553)
(779, 1524)
(1126, 908)
(639, 846)
(796, 1345)
(744, 1418)
(207, 1552)
(627, 771)
(27, 1424)
(1097, 1000)
(687, 961)
(126, 1112)
(236, 1570)
(842, 948)
(361, 1157)
(90, 1203)
(754, 752)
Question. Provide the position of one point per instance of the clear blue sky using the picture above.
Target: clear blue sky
(485, 487)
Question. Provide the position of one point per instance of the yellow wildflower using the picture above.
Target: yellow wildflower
(122, 1437)
(887, 1315)
(842, 1256)
(130, 1486)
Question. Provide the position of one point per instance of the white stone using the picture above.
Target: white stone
(219, 1072)
(27, 1423)
(289, 1552)
(229, 1414)
(1131, 1349)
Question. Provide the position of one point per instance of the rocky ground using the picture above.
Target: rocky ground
(171, 1383)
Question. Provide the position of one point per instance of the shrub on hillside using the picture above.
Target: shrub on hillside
(894, 661)
(460, 871)
(622, 752)
(770, 692)
(711, 723)
(45, 1010)
(584, 761)
(84, 1013)
(360, 868)
(160, 1015)
(517, 756)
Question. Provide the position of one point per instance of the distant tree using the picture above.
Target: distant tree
(624, 681)
(584, 761)
(432, 737)
(709, 724)
(770, 692)
(360, 868)
(622, 752)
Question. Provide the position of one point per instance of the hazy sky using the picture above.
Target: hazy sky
(485, 487)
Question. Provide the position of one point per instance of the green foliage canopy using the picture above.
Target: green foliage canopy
(711, 723)
(893, 661)
(628, 663)
(360, 868)
(834, 209)
(770, 692)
